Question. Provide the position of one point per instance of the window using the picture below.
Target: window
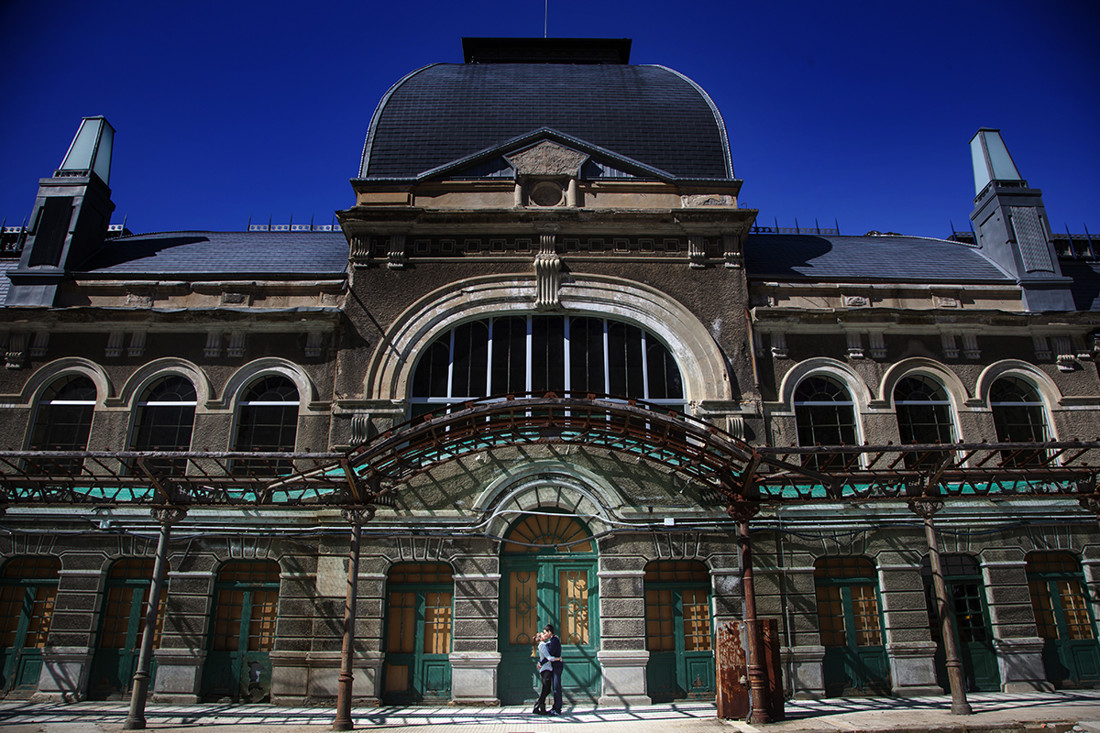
(1018, 416)
(924, 416)
(519, 354)
(166, 414)
(63, 421)
(267, 420)
(825, 415)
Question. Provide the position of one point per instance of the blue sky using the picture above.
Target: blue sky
(856, 112)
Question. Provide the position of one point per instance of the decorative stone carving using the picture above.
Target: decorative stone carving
(547, 159)
(396, 257)
(1042, 347)
(236, 345)
(950, 348)
(855, 345)
(360, 427)
(779, 345)
(697, 251)
(693, 200)
(114, 344)
(970, 346)
(137, 344)
(360, 250)
(40, 343)
(17, 350)
(731, 253)
(856, 301)
(314, 343)
(213, 348)
(547, 274)
(878, 344)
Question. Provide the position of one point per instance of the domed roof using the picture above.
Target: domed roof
(648, 117)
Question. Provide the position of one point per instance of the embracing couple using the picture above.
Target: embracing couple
(550, 667)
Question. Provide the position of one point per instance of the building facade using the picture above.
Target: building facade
(545, 221)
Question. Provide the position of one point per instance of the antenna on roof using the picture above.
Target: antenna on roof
(837, 222)
(249, 227)
(545, 17)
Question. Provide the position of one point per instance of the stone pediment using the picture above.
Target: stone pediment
(547, 158)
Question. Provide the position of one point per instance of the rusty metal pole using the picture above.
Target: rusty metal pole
(944, 609)
(357, 516)
(139, 692)
(757, 672)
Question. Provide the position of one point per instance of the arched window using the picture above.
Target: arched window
(924, 416)
(63, 421)
(166, 414)
(518, 354)
(825, 415)
(267, 420)
(1018, 417)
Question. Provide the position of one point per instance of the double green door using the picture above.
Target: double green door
(556, 589)
(116, 656)
(418, 644)
(679, 639)
(27, 593)
(238, 664)
(1071, 654)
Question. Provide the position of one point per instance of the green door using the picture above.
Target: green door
(966, 593)
(121, 626)
(679, 633)
(850, 623)
(1071, 655)
(27, 593)
(548, 575)
(418, 633)
(238, 665)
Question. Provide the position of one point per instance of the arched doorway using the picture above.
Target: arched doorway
(548, 575)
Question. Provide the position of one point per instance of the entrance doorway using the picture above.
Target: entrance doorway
(121, 629)
(1071, 655)
(966, 592)
(418, 633)
(548, 575)
(27, 592)
(679, 636)
(238, 666)
(851, 627)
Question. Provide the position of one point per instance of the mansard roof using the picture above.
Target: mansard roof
(222, 254)
(815, 257)
(444, 113)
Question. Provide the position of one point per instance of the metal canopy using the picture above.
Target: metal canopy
(728, 469)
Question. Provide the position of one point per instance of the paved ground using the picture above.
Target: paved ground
(993, 713)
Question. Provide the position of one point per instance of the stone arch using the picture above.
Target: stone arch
(824, 366)
(548, 484)
(1044, 385)
(390, 369)
(307, 390)
(47, 373)
(141, 378)
(922, 366)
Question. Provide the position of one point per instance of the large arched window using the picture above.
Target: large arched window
(1018, 417)
(267, 420)
(825, 415)
(63, 421)
(563, 354)
(165, 416)
(924, 416)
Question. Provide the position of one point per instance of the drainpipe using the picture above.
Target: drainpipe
(925, 508)
(167, 516)
(357, 516)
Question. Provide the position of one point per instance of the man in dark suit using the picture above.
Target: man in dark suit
(553, 648)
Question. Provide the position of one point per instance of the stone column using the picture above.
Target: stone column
(184, 637)
(475, 656)
(298, 602)
(909, 644)
(67, 659)
(623, 655)
(796, 604)
(1015, 636)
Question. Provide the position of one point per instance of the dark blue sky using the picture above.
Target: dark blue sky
(858, 112)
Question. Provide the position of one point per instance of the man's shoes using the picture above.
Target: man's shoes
(555, 712)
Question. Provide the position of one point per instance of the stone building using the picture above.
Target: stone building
(544, 235)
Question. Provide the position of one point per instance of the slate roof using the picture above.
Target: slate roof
(897, 258)
(445, 112)
(6, 266)
(222, 254)
(1086, 283)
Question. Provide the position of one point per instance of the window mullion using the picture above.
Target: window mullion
(567, 371)
(645, 365)
(489, 360)
(529, 385)
(451, 366)
(606, 360)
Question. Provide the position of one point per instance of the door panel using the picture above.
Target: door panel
(418, 640)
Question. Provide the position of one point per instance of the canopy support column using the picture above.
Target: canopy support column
(925, 508)
(742, 511)
(357, 516)
(167, 516)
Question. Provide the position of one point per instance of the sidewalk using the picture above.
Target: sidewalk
(993, 713)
